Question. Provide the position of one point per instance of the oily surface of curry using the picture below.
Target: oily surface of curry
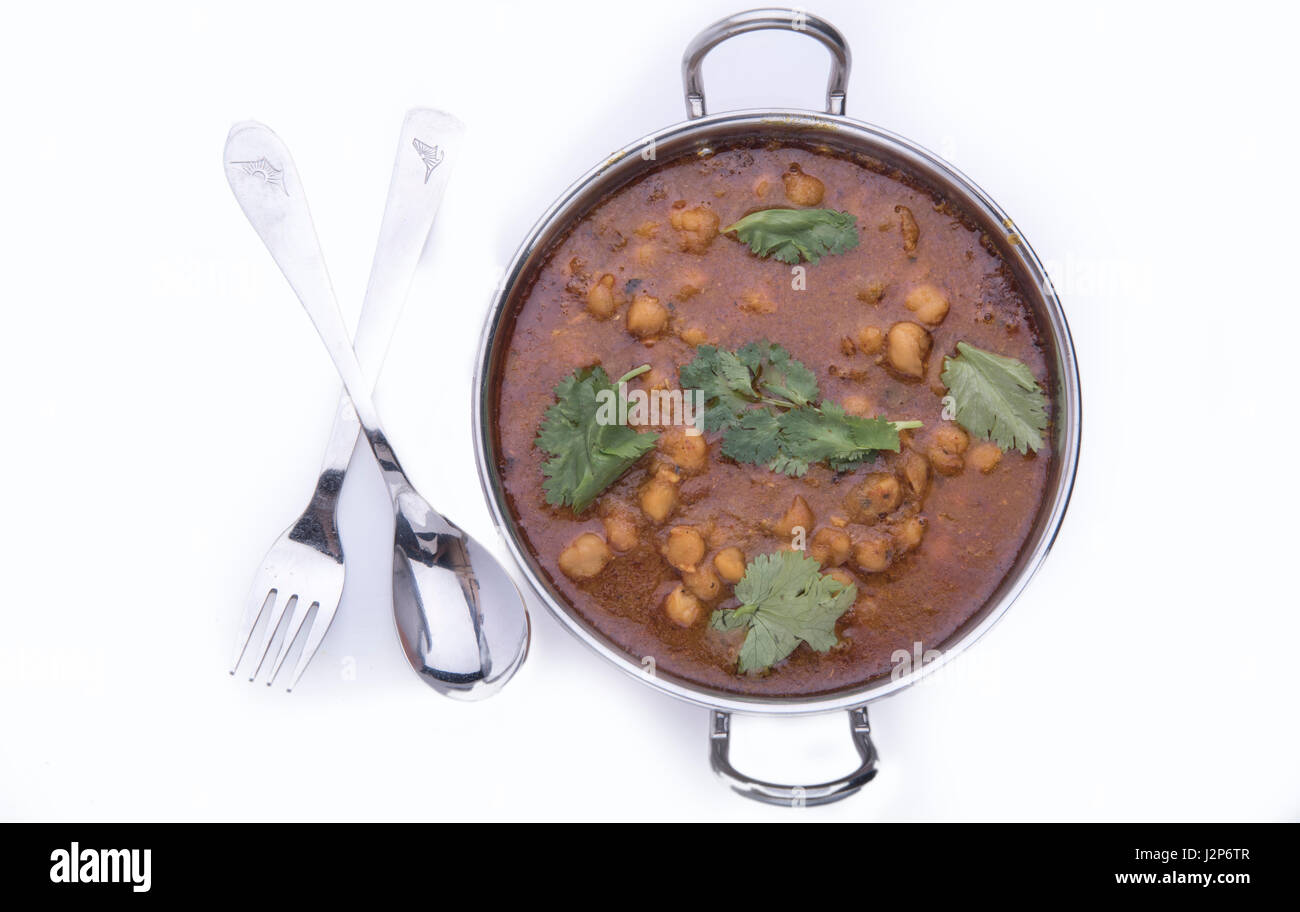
(646, 277)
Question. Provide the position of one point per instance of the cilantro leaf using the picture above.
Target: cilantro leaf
(733, 382)
(787, 464)
(727, 384)
(829, 434)
(764, 402)
(790, 234)
(589, 448)
(753, 438)
(777, 374)
(785, 600)
(996, 397)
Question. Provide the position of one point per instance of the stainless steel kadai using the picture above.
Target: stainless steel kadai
(833, 130)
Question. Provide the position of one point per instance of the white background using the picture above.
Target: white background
(169, 401)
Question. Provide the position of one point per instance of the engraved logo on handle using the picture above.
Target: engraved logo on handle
(268, 172)
(431, 156)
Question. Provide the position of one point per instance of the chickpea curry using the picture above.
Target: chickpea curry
(853, 441)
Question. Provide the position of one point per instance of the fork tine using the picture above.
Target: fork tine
(251, 614)
(272, 623)
(300, 612)
(315, 634)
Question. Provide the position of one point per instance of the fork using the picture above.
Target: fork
(304, 568)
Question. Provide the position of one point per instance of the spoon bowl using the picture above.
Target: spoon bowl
(442, 579)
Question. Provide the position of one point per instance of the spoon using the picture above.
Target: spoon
(460, 618)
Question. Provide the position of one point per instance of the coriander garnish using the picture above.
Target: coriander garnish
(996, 397)
(785, 600)
(588, 455)
(789, 234)
(764, 402)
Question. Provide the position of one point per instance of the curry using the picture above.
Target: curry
(868, 451)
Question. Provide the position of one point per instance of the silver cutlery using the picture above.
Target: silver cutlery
(310, 552)
(460, 618)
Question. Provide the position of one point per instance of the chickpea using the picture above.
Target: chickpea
(693, 335)
(947, 447)
(858, 405)
(910, 230)
(871, 340)
(621, 531)
(689, 282)
(842, 576)
(666, 473)
(928, 303)
(755, 301)
(874, 554)
(798, 514)
(646, 254)
(684, 548)
(952, 437)
(909, 534)
(937, 386)
(703, 583)
(682, 607)
(698, 226)
(730, 564)
(602, 301)
(689, 452)
(830, 547)
(985, 456)
(684, 219)
(647, 229)
(655, 378)
(802, 189)
(585, 557)
(879, 493)
(908, 346)
(916, 469)
(659, 499)
(646, 317)
(872, 292)
(761, 186)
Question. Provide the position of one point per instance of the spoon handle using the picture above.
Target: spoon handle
(426, 151)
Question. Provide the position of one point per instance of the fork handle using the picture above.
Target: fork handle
(265, 182)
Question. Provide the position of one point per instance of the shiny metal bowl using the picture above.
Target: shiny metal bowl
(832, 131)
